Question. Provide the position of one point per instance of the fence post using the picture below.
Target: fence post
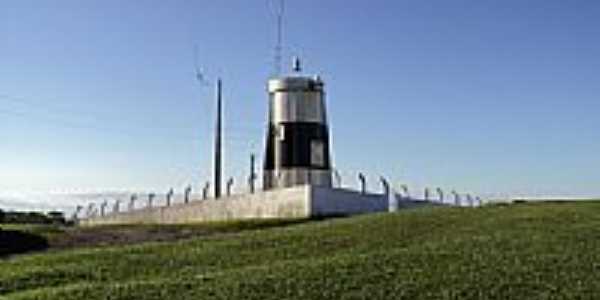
(456, 198)
(252, 176)
(363, 183)
(389, 196)
(205, 191)
(404, 188)
(116, 207)
(440, 194)
(89, 210)
(229, 185)
(187, 192)
(78, 209)
(103, 208)
(170, 196)
(132, 200)
(151, 199)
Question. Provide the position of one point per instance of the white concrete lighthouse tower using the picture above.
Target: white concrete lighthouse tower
(297, 146)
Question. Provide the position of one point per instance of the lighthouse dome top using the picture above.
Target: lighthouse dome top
(296, 81)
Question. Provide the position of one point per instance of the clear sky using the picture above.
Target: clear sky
(490, 97)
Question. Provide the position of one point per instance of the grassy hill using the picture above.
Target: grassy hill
(525, 251)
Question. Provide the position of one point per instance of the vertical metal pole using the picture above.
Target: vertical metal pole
(132, 202)
(386, 186)
(218, 141)
(169, 197)
(252, 174)
(205, 191)
(229, 185)
(103, 208)
(150, 199)
(363, 183)
(188, 190)
(405, 190)
(279, 47)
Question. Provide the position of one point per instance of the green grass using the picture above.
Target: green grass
(47, 231)
(62, 237)
(525, 251)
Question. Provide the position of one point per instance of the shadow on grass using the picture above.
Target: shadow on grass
(115, 235)
(50, 238)
(17, 242)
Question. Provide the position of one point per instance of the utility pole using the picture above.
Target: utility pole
(218, 138)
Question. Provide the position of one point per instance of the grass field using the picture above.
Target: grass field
(525, 251)
(60, 237)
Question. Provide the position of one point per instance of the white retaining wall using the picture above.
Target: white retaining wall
(331, 202)
(285, 203)
(296, 202)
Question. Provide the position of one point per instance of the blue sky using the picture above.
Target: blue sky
(490, 97)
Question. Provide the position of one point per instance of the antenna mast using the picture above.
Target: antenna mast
(218, 141)
(218, 148)
(279, 47)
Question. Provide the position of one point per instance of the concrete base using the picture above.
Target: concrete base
(296, 202)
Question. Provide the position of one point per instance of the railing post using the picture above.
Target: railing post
(89, 210)
(205, 191)
(187, 192)
(404, 188)
(440, 194)
(229, 185)
(132, 200)
(151, 199)
(389, 196)
(103, 208)
(116, 207)
(252, 176)
(363, 183)
(456, 198)
(78, 209)
(170, 196)
(386, 186)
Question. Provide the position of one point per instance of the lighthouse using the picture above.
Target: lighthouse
(297, 145)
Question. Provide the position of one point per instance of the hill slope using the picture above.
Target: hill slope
(528, 251)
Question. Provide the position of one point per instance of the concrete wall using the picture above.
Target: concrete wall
(284, 203)
(331, 202)
(296, 202)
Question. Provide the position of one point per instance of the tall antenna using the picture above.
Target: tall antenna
(218, 148)
(218, 141)
(279, 12)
